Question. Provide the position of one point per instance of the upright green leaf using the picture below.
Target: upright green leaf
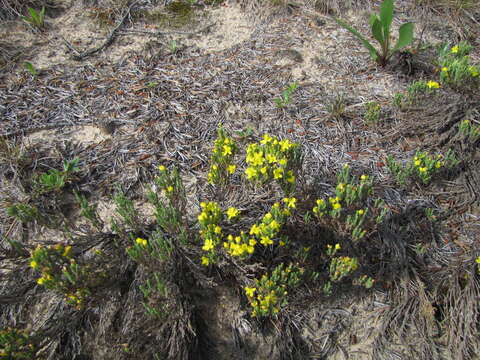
(386, 16)
(377, 29)
(405, 36)
(365, 42)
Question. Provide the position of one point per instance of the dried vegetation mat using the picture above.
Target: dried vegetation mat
(219, 180)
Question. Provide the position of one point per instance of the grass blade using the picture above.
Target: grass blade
(365, 42)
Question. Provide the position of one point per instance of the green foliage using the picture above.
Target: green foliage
(30, 68)
(269, 293)
(372, 114)
(87, 211)
(422, 166)
(55, 180)
(341, 267)
(126, 211)
(36, 19)
(24, 212)
(348, 210)
(380, 26)
(155, 293)
(456, 67)
(469, 130)
(16, 345)
(336, 106)
(286, 97)
(170, 205)
(221, 161)
(61, 272)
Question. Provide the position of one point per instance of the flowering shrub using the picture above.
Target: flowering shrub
(16, 344)
(372, 114)
(269, 294)
(272, 159)
(350, 193)
(61, 272)
(422, 166)
(170, 210)
(456, 68)
(266, 232)
(221, 161)
(210, 230)
(341, 267)
(469, 130)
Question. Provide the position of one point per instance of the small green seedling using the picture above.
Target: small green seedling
(286, 97)
(35, 19)
(29, 67)
(380, 26)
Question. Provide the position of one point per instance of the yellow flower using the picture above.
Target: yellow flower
(227, 150)
(336, 206)
(251, 172)
(278, 173)
(438, 164)
(418, 162)
(337, 247)
(170, 189)
(474, 71)
(454, 49)
(41, 281)
(271, 158)
(422, 169)
(232, 212)
(250, 291)
(290, 202)
(433, 84)
(360, 212)
(231, 169)
(141, 242)
(254, 230)
(67, 250)
(162, 168)
(477, 260)
(266, 139)
(364, 177)
(208, 245)
(264, 170)
(217, 230)
(266, 241)
(444, 69)
(205, 261)
(283, 162)
(291, 177)
(33, 264)
(274, 225)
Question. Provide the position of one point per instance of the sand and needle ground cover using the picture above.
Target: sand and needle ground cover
(238, 180)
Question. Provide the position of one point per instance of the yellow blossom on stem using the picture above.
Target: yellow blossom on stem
(250, 291)
(205, 261)
(141, 242)
(162, 168)
(433, 84)
(232, 213)
(231, 169)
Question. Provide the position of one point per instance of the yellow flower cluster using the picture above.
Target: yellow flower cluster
(221, 161)
(271, 159)
(341, 267)
(210, 230)
(141, 242)
(433, 84)
(426, 165)
(59, 271)
(269, 294)
(264, 232)
(167, 180)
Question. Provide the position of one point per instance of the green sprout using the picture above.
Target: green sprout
(380, 25)
(36, 19)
